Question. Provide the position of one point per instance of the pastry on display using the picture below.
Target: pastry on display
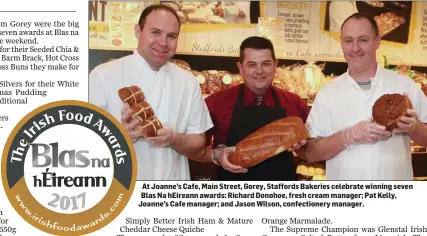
(205, 12)
(402, 5)
(404, 70)
(213, 80)
(183, 64)
(389, 21)
(269, 141)
(237, 78)
(291, 80)
(375, 3)
(227, 80)
(388, 109)
(182, 16)
(215, 20)
(279, 79)
(227, 10)
(304, 80)
(202, 81)
(149, 125)
(173, 5)
(421, 80)
(310, 171)
(200, 16)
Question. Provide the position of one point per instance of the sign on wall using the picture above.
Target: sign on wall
(299, 30)
(311, 29)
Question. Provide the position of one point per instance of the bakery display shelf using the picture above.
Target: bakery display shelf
(302, 79)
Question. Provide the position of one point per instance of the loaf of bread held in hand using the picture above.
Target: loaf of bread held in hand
(149, 127)
(269, 141)
(141, 110)
(131, 95)
(388, 109)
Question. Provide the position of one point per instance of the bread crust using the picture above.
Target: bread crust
(269, 141)
(388, 109)
(141, 111)
(131, 95)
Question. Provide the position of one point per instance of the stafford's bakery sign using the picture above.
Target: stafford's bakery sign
(218, 28)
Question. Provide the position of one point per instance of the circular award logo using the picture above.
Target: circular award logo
(68, 168)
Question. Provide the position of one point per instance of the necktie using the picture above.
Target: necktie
(259, 100)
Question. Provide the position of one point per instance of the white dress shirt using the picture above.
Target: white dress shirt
(175, 97)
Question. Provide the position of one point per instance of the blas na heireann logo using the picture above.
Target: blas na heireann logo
(68, 168)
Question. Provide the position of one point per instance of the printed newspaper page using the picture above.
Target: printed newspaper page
(175, 118)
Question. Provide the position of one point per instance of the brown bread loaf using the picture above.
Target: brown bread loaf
(269, 141)
(388, 109)
(141, 110)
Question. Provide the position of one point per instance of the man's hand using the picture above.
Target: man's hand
(222, 157)
(130, 125)
(164, 138)
(407, 123)
(297, 146)
(367, 132)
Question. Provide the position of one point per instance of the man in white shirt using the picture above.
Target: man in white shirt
(173, 93)
(340, 121)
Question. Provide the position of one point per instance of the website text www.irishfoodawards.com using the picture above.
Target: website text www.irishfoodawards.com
(74, 228)
(44, 58)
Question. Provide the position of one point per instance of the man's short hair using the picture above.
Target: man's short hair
(371, 20)
(256, 42)
(156, 7)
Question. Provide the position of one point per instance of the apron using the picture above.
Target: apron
(246, 120)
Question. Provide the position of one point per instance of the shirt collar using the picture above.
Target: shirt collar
(249, 96)
(141, 61)
(353, 82)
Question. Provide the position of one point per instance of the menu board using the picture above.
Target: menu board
(312, 29)
(112, 24)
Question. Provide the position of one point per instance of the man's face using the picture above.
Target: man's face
(359, 44)
(257, 69)
(158, 39)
